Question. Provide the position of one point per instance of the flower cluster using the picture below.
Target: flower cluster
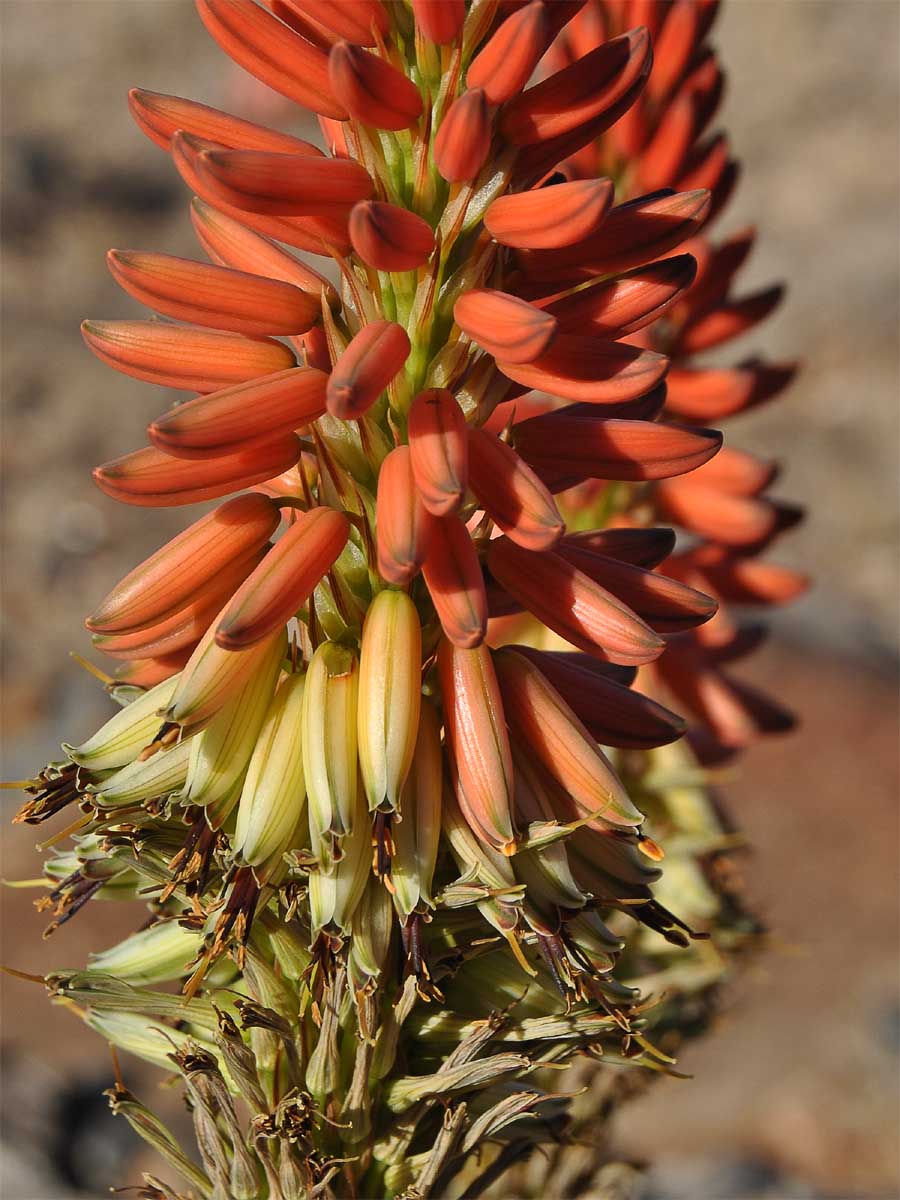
(377, 719)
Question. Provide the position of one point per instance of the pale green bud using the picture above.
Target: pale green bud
(152, 955)
(127, 733)
(416, 830)
(329, 742)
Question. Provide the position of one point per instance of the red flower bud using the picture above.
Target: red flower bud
(372, 91)
(508, 328)
(464, 138)
(365, 368)
(390, 238)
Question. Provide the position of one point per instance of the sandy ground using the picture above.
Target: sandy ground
(795, 1093)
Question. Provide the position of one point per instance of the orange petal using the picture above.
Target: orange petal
(326, 235)
(168, 579)
(373, 92)
(272, 52)
(549, 217)
(438, 450)
(455, 583)
(152, 478)
(578, 94)
(356, 20)
(440, 23)
(540, 719)
(464, 138)
(366, 367)
(195, 360)
(216, 296)
(717, 266)
(572, 604)
(736, 472)
(506, 62)
(231, 244)
(160, 116)
(508, 328)
(404, 525)
(511, 493)
(283, 184)
(613, 713)
(632, 234)
(310, 28)
(665, 604)
(597, 448)
(727, 321)
(589, 370)
(390, 238)
(222, 422)
(610, 308)
(475, 729)
(285, 578)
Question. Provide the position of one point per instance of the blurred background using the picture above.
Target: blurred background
(795, 1091)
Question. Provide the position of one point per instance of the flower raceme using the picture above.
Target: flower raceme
(406, 462)
(389, 523)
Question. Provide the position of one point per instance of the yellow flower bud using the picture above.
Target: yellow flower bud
(390, 679)
(221, 752)
(274, 791)
(416, 829)
(336, 888)
(329, 741)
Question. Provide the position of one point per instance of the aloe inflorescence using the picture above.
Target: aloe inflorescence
(379, 768)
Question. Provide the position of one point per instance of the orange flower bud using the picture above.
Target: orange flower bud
(511, 493)
(223, 422)
(589, 370)
(540, 719)
(598, 448)
(168, 579)
(612, 307)
(355, 20)
(390, 238)
(440, 23)
(160, 116)
(282, 184)
(272, 52)
(210, 295)
(708, 394)
(510, 329)
(643, 547)
(662, 160)
(404, 525)
(506, 62)
(665, 604)
(372, 91)
(452, 572)
(326, 235)
(183, 628)
(579, 93)
(743, 580)
(464, 138)
(549, 217)
(736, 472)
(727, 321)
(195, 360)
(673, 46)
(475, 729)
(148, 672)
(632, 234)
(284, 579)
(716, 513)
(573, 605)
(154, 479)
(365, 368)
(612, 713)
(231, 244)
(438, 450)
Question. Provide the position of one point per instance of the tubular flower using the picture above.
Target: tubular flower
(377, 721)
